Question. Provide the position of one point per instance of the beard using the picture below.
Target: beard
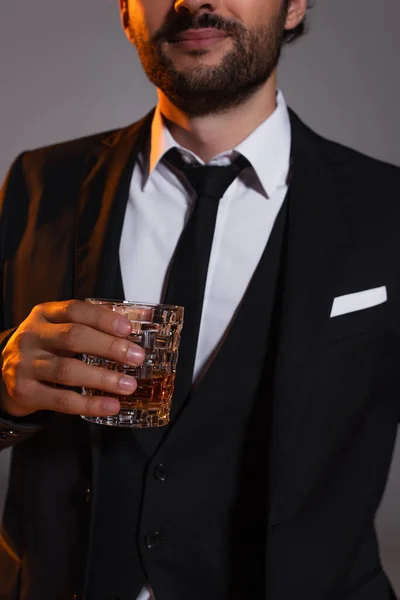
(203, 89)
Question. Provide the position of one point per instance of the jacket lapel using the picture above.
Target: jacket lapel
(101, 210)
(100, 216)
(319, 232)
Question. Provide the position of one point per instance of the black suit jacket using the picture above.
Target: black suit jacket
(336, 398)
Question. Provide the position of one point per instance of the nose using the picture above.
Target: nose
(194, 5)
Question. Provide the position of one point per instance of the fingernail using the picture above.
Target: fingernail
(127, 384)
(122, 326)
(111, 407)
(135, 355)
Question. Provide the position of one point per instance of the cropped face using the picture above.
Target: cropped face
(207, 57)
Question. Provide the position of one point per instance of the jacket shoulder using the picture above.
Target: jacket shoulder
(346, 156)
(373, 182)
(74, 152)
(69, 151)
(339, 155)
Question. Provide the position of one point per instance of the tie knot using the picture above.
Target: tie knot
(208, 180)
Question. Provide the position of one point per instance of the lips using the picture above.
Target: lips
(200, 34)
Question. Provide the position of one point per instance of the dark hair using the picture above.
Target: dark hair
(293, 34)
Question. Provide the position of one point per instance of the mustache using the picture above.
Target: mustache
(182, 23)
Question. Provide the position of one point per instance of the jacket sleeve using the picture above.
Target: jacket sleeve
(12, 429)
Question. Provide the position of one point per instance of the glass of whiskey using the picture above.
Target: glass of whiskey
(157, 329)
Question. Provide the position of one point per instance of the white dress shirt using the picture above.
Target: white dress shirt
(159, 204)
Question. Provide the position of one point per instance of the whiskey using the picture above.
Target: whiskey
(151, 393)
(148, 406)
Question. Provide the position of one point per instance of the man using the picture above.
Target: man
(267, 481)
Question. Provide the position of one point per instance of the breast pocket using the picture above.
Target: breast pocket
(362, 322)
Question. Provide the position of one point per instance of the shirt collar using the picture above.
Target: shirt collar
(267, 148)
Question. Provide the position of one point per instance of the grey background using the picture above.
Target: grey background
(66, 70)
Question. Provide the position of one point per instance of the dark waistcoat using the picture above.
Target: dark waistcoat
(184, 507)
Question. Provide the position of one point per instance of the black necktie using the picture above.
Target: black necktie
(188, 273)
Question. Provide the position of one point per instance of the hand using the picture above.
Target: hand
(40, 353)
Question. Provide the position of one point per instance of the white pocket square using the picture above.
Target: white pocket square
(358, 301)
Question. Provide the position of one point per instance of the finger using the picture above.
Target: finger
(93, 315)
(81, 339)
(44, 397)
(74, 373)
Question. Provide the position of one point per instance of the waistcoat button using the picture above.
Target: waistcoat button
(153, 539)
(161, 472)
